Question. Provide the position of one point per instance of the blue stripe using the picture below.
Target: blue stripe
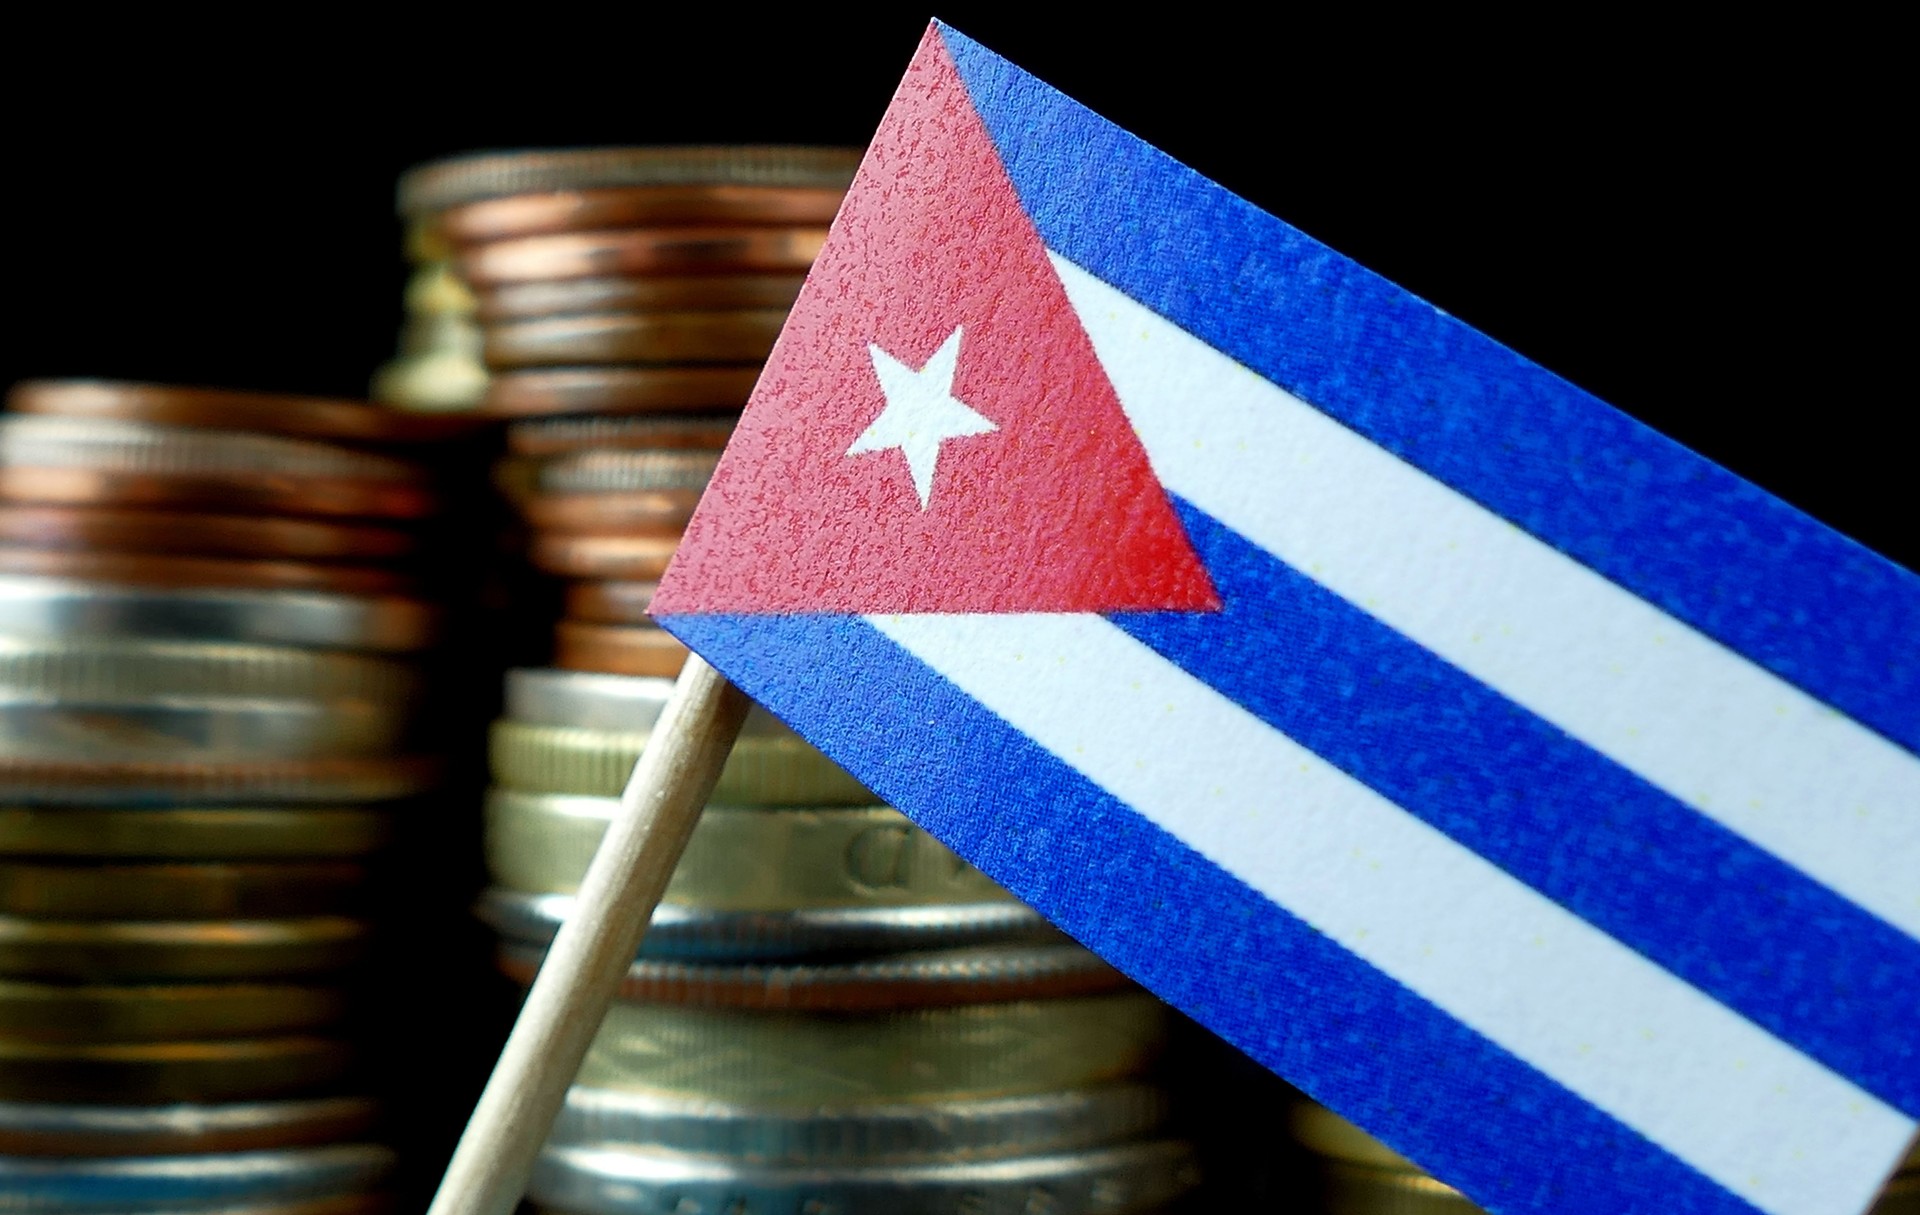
(1730, 918)
(1737, 564)
(1368, 1047)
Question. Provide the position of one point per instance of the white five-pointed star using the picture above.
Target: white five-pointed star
(921, 412)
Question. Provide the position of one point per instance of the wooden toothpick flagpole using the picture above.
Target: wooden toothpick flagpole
(596, 945)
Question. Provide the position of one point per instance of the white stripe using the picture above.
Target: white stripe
(1685, 713)
(1740, 1106)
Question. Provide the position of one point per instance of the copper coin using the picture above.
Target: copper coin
(588, 556)
(559, 436)
(617, 650)
(611, 390)
(226, 409)
(702, 293)
(104, 529)
(635, 337)
(610, 602)
(268, 492)
(638, 206)
(450, 183)
(661, 513)
(643, 251)
(137, 570)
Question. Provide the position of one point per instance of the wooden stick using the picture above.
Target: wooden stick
(596, 945)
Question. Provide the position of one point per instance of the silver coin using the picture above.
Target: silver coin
(692, 933)
(29, 441)
(139, 669)
(113, 1184)
(32, 606)
(614, 472)
(197, 729)
(37, 1129)
(551, 697)
(1108, 1181)
(1039, 1124)
(936, 976)
(593, 701)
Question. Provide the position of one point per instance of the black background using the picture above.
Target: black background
(1697, 223)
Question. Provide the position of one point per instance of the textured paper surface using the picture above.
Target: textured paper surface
(1530, 790)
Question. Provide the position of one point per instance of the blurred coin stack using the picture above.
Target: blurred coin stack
(439, 368)
(206, 687)
(831, 1012)
(626, 299)
(1362, 1176)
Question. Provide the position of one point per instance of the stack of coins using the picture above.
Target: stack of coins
(831, 1011)
(205, 700)
(1362, 1176)
(626, 299)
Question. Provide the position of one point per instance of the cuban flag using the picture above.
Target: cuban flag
(1532, 791)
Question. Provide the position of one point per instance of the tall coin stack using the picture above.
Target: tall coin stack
(205, 694)
(1362, 1176)
(832, 1012)
(627, 298)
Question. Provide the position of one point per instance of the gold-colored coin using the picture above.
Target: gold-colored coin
(435, 289)
(1355, 1189)
(741, 859)
(239, 833)
(634, 337)
(641, 649)
(831, 1059)
(235, 1070)
(1325, 1133)
(697, 293)
(775, 769)
(618, 390)
(178, 891)
(446, 380)
(103, 1013)
(107, 951)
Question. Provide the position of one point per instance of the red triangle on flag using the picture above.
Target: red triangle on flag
(933, 432)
